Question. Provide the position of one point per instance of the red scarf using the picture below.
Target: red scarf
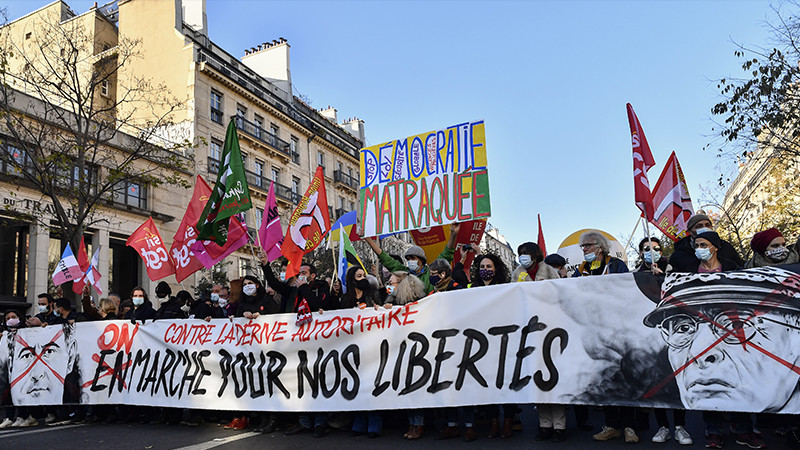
(532, 271)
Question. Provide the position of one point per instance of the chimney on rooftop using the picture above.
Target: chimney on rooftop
(329, 113)
(271, 61)
(194, 15)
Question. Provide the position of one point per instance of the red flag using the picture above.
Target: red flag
(209, 253)
(186, 263)
(642, 162)
(83, 261)
(270, 235)
(673, 204)
(308, 225)
(147, 242)
(540, 240)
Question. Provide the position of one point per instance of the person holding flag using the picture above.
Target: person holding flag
(416, 263)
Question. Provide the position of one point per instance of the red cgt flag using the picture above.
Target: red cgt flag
(642, 162)
(673, 204)
(186, 263)
(147, 242)
(308, 225)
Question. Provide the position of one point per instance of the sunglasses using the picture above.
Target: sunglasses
(655, 249)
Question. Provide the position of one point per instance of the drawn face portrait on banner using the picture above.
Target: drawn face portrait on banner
(733, 339)
(40, 360)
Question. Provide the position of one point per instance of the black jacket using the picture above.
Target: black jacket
(143, 312)
(170, 310)
(684, 260)
(315, 293)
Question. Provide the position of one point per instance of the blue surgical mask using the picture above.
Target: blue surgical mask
(701, 230)
(214, 297)
(412, 265)
(703, 254)
(589, 257)
(138, 301)
(525, 261)
(651, 257)
(390, 289)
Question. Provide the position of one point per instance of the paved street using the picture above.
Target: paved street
(206, 436)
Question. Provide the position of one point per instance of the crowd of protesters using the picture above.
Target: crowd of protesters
(407, 279)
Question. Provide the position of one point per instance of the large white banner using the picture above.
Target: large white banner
(712, 341)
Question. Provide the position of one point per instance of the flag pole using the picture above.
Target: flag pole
(252, 252)
(630, 238)
(647, 235)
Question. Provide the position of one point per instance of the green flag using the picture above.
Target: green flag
(230, 195)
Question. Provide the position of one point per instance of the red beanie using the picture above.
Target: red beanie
(762, 239)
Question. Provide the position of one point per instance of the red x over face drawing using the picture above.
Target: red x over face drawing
(39, 363)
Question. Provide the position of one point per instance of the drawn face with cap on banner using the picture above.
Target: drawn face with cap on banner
(40, 360)
(733, 338)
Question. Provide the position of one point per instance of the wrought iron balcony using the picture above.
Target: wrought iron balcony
(255, 131)
(260, 182)
(345, 179)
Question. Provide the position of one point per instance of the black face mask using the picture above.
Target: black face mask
(362, 284)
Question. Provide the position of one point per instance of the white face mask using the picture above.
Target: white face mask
(302, 279)
(525, 261)
(214, 297)
(702, 230)
(223, 303)
(777, 254)
(185, 308)
(249, 289)
(283, 276)
(42, 309)
(162, 300)
(412, 265)
(12, 322)
(138, 301)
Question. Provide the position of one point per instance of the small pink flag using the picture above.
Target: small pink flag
(209, 253)
(270, 234)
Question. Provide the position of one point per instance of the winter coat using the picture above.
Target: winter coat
(395, 266)
(760, 260)
(544, 272)
(170, 310)
(609, 265)
(684, 260)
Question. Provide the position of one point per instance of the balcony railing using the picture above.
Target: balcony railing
(261, 182)
(261, 135)
(344, 178)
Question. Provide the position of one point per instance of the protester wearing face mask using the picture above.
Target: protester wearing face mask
(557, 262)
(683, 259)
(489, 270)
(530, 265)
(45, 311)
(598, 261)
(142, 308)
(169, 307)
(416, 262)
(253, 301)
(650, 256)
(769, 249)
(706, 249)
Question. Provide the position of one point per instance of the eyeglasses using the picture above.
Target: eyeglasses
(647, 249)
(733, 326)
(587, 245)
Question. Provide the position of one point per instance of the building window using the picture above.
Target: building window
(241, 115)
(274, 175)
(244, 160)
(259, 216)
(215, 150)
(259, 166)
(131, 193)
(341, 202)
(293, 149)
(216, 106)
(246, 267)
(295, 189)
(258, 121)
(104, 88)
(27, 35)
(273, 130)
(16, 162)
(321, 159)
